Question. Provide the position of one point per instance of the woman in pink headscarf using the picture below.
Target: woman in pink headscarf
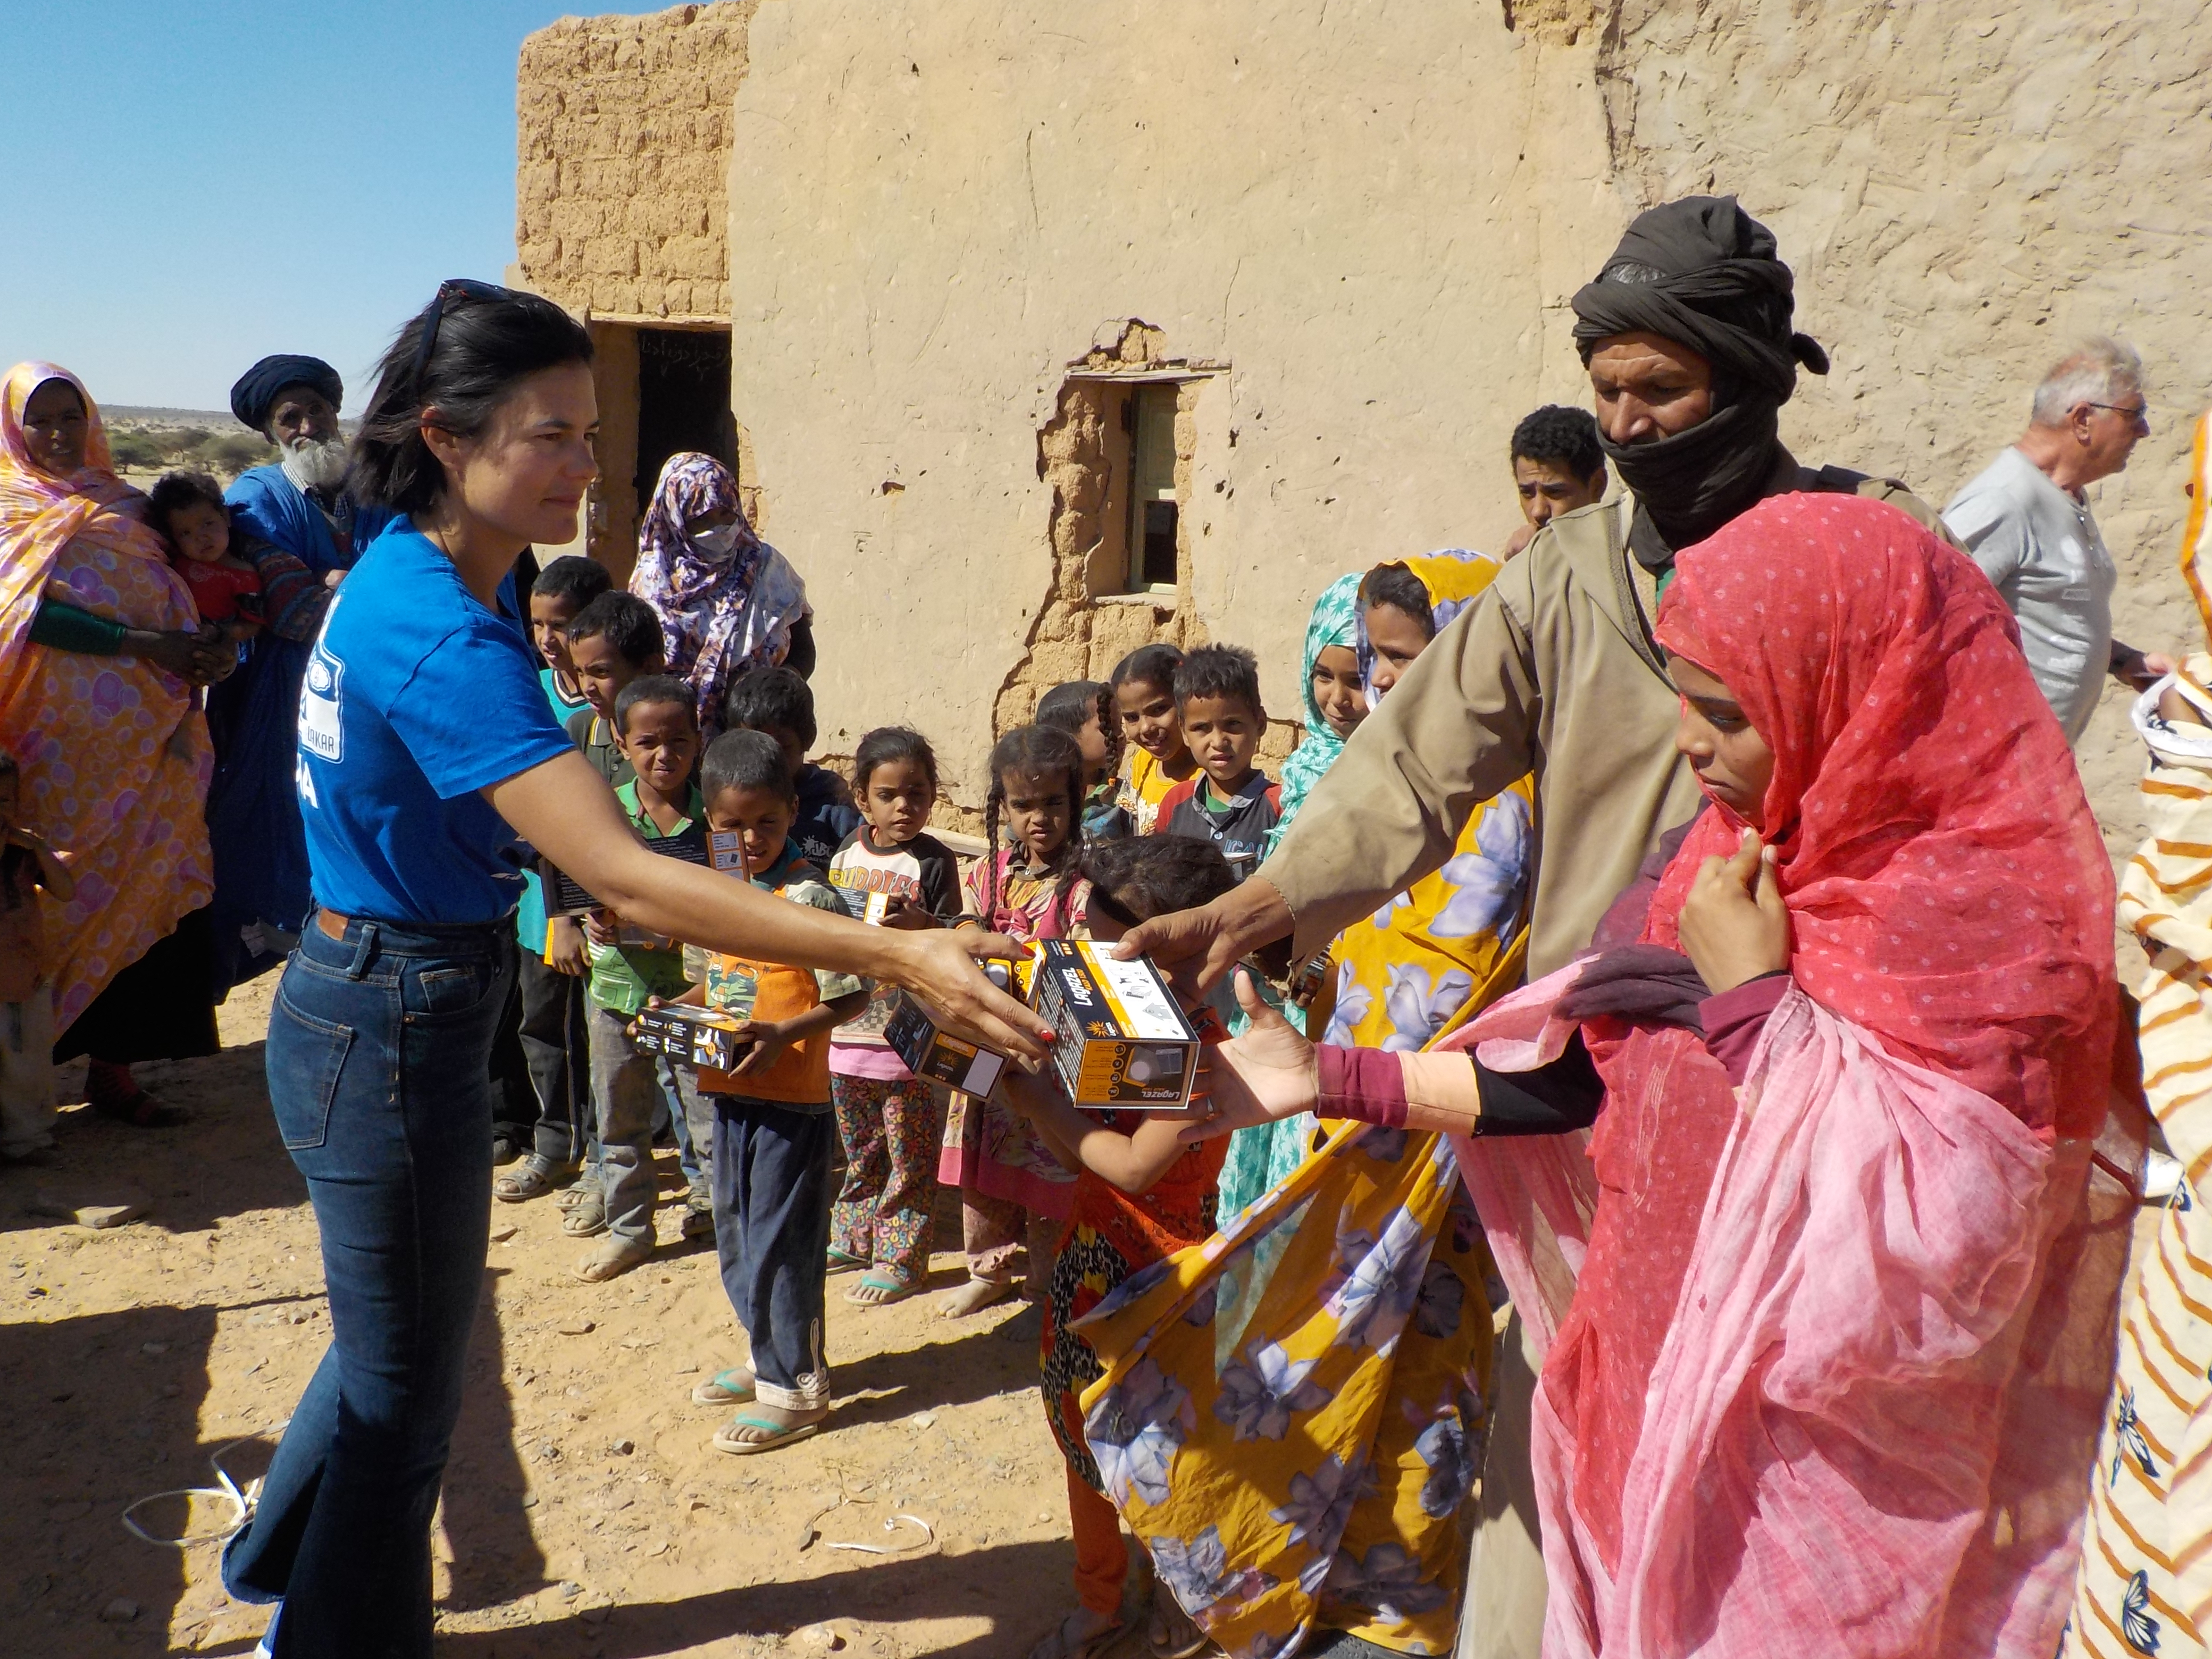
(1828, 1323)
(100, 648)
(728, 601)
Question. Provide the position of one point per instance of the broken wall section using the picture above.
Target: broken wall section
(622, 188)
(1089, 622)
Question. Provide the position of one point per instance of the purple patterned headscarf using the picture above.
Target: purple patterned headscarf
(722, 610)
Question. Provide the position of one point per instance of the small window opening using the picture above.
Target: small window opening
(1150, 414)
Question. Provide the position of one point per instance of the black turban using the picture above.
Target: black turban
(1704, 273)
(255, 394)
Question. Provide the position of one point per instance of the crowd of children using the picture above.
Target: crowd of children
(1125, 799)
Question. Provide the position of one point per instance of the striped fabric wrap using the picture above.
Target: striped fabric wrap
(2146, 1584)
(2196, 533)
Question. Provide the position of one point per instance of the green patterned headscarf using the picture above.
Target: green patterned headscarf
(1258, 1158)
(1335, 621)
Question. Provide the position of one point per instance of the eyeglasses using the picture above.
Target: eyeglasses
(2138, 415)
(453, 287)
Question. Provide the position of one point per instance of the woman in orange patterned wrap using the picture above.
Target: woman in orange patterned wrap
(99, 651)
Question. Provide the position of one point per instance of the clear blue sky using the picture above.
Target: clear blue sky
(194, 186)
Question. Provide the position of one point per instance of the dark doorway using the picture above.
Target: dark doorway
(682, 401)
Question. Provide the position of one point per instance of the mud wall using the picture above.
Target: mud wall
(621, 187)
(1964, 190)
(1363, 222)
(965, 200)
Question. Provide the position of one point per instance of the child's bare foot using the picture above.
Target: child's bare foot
(763, 1427)
(972, 1297)
(1080, 1636)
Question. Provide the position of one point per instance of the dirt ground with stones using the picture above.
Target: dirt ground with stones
(584, 1513)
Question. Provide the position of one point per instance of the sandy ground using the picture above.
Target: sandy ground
(585, 1512)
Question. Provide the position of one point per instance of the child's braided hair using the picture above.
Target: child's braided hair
(1041, 750)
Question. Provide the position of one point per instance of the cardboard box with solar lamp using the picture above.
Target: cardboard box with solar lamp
(1121, 1041)
(691, 1036)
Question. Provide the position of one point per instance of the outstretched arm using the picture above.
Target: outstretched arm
(1456, 730)
(565, 809)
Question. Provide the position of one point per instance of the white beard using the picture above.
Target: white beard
(316, 466)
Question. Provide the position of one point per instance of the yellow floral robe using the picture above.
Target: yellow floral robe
(1292, 1412)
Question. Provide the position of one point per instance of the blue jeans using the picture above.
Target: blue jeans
(771, 1173)
(378, 1057)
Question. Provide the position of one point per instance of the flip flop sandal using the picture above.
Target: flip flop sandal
(1170, 1632)
(1063, 1644)
(586, 1218)
(533, 1177)
(698, 1224)
(722, 1388)
(841, 1263)
(887, 1290)
(780, 1434)
(140, 1110)
(614, 1258)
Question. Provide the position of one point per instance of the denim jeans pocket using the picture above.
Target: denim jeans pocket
(307, 1055)
(453, 987)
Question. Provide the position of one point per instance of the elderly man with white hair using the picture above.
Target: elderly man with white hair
(2028, 526)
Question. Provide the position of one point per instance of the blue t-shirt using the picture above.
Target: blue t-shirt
(416, 697)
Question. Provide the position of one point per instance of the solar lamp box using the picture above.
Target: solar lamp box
(696, 1037)
(710, 849)
(933, 1053)
(1121, 1042)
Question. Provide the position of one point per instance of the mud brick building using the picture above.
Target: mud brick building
(1036, 330)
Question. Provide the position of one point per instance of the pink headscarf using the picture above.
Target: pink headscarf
(1830, 1376)
(1946, 882)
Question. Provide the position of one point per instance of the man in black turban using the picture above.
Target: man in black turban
(1687, 335)
(303, 533)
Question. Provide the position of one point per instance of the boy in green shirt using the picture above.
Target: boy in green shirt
(659, 730)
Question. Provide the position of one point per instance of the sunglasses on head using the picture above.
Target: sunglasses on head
(452, 288)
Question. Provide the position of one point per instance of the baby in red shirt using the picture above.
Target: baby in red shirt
(186, 509)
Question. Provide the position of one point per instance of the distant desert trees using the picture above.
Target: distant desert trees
(157, 448)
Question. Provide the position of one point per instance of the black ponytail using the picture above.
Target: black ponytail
(483, 340)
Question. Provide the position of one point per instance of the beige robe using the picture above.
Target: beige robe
(1552, 670)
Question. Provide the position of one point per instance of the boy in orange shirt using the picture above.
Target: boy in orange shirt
(774, 1129)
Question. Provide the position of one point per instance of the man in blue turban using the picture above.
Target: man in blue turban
(303, 532)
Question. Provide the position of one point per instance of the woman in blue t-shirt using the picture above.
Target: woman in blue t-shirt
(426, 747)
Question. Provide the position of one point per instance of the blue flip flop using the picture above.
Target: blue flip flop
(719, 1390)
(780, 1434)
